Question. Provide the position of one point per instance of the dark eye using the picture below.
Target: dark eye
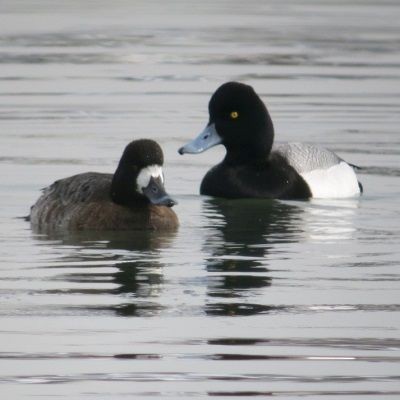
(154, 189)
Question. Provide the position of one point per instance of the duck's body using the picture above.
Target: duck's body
(270, 178)
(93, 201)
(291, 171)
(252, 168)
(82, 202)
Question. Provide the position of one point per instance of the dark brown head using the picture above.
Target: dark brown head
(139, 178)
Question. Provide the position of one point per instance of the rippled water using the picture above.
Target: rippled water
(249, 298)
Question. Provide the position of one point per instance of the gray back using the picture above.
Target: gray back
(305, 157)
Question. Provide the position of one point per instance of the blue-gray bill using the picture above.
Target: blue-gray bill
(156, 193)
(206, 139)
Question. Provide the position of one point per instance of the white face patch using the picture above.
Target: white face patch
(145, 175)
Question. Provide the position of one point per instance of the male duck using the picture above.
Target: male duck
(133, 198)
(240, 121)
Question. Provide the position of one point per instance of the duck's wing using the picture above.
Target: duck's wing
(65, 197)
(89, 186)
(327, 175)
(306, 157)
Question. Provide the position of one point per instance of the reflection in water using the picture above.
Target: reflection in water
(132, 271)
(141, 281)
(242, 234)
(135, 241)
(331, 219)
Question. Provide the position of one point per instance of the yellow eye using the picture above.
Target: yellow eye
(234, 114)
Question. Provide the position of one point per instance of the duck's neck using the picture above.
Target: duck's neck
(254, 149)
(123, 189)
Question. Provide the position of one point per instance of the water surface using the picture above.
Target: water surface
(250, 298)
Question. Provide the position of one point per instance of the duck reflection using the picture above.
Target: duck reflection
(243, 235)
(126, 264)
(139, 284)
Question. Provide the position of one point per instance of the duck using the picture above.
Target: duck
(133, 198)
(252, 167)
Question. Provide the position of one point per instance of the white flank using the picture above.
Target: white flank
(338, 181)
(145, 175)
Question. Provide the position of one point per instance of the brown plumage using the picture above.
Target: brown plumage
(84, 202)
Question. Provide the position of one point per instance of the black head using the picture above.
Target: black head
(240, 121)
(139, 178)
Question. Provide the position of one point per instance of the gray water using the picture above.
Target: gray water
(249, 298)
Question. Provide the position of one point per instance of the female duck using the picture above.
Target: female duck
(133, 198)
(240, 121)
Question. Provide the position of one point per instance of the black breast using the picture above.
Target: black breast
(274, 178)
